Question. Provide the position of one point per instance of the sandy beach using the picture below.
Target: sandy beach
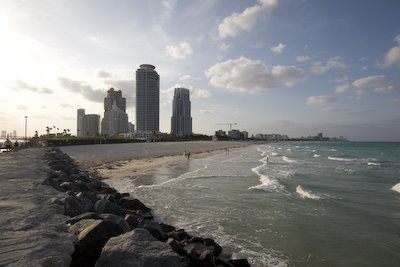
(116, 161)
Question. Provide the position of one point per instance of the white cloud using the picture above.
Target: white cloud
(393, 101)
(82, 88)
(246, 75)
(181, 51)
(22, 107)
(342, 88)
(20, 85)
(322, 99)
(392, 56)
(185, 77)
(379, 84)
(245, 21)
(66, 105)
(224, 46)
(167, 95)
(278, 48)
(333, 109)
(103, 74)
(288, 75)
(332, 63)
(302, 58)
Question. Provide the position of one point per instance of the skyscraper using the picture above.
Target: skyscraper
(147, 99)
(79, 119)
(115, 119)
(91, 125)
(181, 120)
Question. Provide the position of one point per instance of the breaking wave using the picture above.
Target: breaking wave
(288, 160)
(373, 164)
(267, 184)
(274, 154)
(316, 156)
(396, 188)
(340, 159)
(306, 193)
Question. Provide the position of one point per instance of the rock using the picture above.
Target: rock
(167, 228)
(137, 249)
(53, 183)
(132, 220)
(89, 195)
(206, 259)
(133, 204)
(176, 246)
(105, 206)
(196, 239)
(83, 216)
(79, 226)
(82, 185)
(156, 231)
(87, 204)
(73, 206)
(179, 235)
(194, 250)
(69, 186)
(125, 227)
(91, 240)
(211, 243)
(239, 263)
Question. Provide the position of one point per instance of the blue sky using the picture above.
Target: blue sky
(295, 67)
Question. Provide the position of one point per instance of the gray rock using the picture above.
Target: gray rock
(180, 235)
(105, 206)
(89, 195)
(156, 231)
(83, 216)
(167, 228)
(239, 263)
(176, 246)
(80, 225)
(69, 186)
(53, 183)
(125, 227)
(194, 250)
(134, 204)
(132, 220)
(137, 249)
(73, 206)
(206, 259)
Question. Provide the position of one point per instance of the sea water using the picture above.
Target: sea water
(286, 204)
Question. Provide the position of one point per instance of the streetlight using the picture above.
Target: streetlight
(26, 123)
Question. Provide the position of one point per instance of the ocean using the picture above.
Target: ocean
(286, 204)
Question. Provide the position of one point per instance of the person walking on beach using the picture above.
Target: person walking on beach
(8, 144)
(16, 145)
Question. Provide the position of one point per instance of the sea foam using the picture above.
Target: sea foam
(316, 156)
(288, 160)
(340, 159)
(396, 188)
(305, 193)
(373, 164)
(274, 154)
(267, 184)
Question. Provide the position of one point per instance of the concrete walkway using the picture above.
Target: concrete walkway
(32, 227)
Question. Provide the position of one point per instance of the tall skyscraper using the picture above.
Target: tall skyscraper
(115, 119)
(79, 119)
(147, 99)
(181, 120)
(91, 125)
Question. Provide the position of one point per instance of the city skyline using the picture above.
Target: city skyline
(291, 67)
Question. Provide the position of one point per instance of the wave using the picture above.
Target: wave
(316, 156)
(340, 159)
(288, 149)
(373, 164)
(274, 154)
(314, 150)
(267, 184)
(264, 160)
(396, 188)
(288, 160)
(332, 149)
(306, 194)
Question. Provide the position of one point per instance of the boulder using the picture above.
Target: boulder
(155, 230)
(89, 195)
(91, 240)
(167, 228)
(103, 205)
(73, 206)
(176, 246)
(206, 259)
(125, 227)
(133, 204)
(53, 183)
(179, 235)
(194, 250)
(239, 263)
(137, 249)
(82, 185)
(132, 220)
(70, 186)
(80, 225)
(83, 216)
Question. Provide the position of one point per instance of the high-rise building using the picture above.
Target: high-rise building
(3, 134)
(14, 134)
(147, 99)
(79, 119)
(181, 120)
(115, 119)
(91, 125)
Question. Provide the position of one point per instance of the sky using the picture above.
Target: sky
(295, 67)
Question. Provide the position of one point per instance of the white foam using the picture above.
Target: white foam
(274, 154)
(332, 149)
(297, 146)
(340, 159)
(289, 149)
(316, 156)
(396, 188)
(264, 160)
(289, 160)
(314, 150)
(306, 194)
(266, 184)
(373, 164)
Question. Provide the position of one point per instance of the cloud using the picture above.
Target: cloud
(245, 21)
(288, 75)
(103, 74)
(181, 51)
(167, 95)
(185, 77)
(322, 99)
(22, 107)
(333, 109)
(302, 58)
(206, 111)
(20, 85)
(246, 75)
(323, 67)
(82, 88)
(126, 86)
(393, 101)
(278, 48)
(66, 105)
(379, 84)
(224, 46)
(392, 56)
(342, 88)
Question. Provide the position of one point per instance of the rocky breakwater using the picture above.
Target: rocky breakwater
(114, 229)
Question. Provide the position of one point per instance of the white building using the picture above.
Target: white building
(181, 120)
(79, 119)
